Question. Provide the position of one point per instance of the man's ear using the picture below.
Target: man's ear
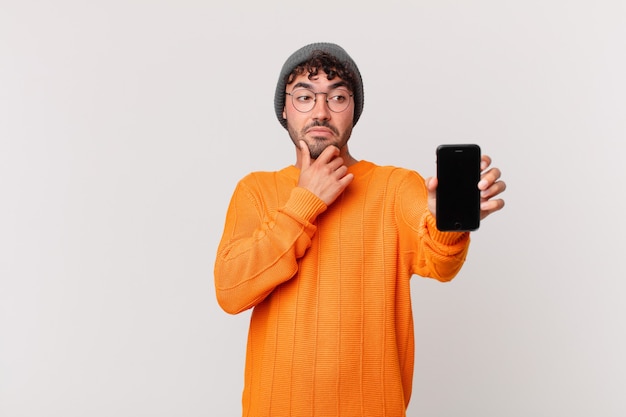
(284, 114)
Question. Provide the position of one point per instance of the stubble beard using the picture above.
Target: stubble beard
(319, 143)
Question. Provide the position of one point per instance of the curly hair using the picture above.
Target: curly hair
(332, 66)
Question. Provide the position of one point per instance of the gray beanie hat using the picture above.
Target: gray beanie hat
(301, 56)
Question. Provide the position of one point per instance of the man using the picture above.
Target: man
(324, 250)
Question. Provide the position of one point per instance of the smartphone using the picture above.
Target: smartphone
(458, 196)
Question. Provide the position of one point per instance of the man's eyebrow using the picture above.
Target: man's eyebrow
(302, 85)
(308, 86)
(340, 84)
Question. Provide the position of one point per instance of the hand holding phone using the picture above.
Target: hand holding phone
(458, 196)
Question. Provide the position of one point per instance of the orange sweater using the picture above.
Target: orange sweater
(331, 333)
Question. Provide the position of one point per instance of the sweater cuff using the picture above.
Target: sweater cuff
(303, 204)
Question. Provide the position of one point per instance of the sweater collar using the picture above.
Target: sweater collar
(359, 169)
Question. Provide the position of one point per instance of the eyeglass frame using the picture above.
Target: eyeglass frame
(350, 95)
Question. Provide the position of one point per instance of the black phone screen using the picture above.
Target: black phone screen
(458, 196)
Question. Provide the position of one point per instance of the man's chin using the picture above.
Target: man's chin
(316, 150)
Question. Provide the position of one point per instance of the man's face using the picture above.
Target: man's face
(319, 127)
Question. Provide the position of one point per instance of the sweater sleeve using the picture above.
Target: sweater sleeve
(429, 252)
(260, 247)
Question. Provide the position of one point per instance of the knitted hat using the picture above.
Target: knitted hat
(301, 56)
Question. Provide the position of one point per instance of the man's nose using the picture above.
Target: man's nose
(321, 111)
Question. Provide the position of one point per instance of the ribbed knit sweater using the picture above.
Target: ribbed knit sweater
(331, 333)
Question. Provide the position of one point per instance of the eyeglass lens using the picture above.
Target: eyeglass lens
(304, 100)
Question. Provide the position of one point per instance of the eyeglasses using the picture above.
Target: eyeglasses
(304, 100)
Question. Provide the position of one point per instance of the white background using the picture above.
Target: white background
(125, 125)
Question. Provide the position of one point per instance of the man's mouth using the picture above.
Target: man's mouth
(318, 129)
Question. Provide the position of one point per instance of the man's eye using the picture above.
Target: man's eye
(304, 97)
(339, 96)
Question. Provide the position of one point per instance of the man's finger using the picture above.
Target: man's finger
(305, 154)
(485, 162)
(431, 184)
(328, 154)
